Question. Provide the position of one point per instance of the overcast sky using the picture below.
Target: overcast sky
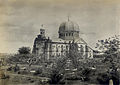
(20, 20)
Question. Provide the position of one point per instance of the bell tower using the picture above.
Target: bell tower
(42, 31)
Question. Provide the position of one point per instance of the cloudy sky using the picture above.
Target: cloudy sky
(20, 20)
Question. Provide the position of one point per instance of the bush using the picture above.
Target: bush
(24, 50)
(103, 78)
(56, 78)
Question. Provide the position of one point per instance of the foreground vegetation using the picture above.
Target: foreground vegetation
(72, 66)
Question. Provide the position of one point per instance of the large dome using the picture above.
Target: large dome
(68, 30)
(68, 26)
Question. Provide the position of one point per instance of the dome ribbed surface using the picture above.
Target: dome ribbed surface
(68, 26)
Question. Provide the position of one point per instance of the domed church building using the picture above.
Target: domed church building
(68, 33)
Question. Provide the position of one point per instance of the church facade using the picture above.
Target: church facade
(68, 34)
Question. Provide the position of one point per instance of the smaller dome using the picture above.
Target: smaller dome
(68, 26)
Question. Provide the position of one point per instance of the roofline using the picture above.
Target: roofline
(64, 42)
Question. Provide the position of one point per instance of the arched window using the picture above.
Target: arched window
(61, 48)
(81, 50)
(59, 35)
(86, 48)
(56, 49)
(72, 34)
(66, 47)
(66, 34)
(69, 34)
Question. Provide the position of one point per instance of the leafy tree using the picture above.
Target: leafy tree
(21, 57)
(24, 50)
(86, 74)
(110, 45)
(74, 55)
(58, 70)
(103, 78)
(110, 48)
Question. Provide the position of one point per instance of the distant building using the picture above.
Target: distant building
(68, 33)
